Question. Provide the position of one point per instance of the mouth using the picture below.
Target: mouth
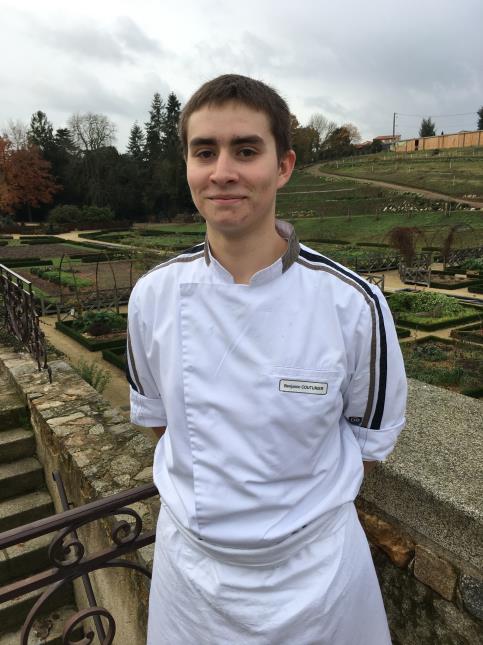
(226, 199)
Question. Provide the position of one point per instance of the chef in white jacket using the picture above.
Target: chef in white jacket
(274, 378)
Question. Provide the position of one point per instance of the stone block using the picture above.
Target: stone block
(387, 537)
(435, 572)
(471, 590)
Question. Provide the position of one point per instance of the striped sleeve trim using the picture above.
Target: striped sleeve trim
(131, 370)
(373, 414)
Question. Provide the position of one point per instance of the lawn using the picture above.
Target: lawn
(459, 173)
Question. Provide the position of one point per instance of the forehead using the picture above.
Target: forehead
(228, 120)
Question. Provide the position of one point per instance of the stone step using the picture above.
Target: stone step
(12, 409)
(47, 630)
(14, 612)
(22, 476)
(15, 444)
(25, 509)
(24, 559)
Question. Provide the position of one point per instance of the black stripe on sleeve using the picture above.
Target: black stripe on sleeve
(381, 395)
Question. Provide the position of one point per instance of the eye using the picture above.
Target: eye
(204, 154)
(247, 152)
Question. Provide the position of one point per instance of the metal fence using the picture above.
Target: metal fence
(21, 317)
(70, 559)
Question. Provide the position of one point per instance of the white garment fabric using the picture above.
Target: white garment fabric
(319, 587)
(273, 393)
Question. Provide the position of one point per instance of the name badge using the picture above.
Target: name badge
(302, 387)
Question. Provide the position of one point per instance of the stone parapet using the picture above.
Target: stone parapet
(422, 512)
(98, 453)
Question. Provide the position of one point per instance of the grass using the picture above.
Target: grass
(458, 173)
(95, 375)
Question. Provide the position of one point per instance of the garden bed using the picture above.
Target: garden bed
(445, 363)
(472, 333)
(426, 310)
(93, 343)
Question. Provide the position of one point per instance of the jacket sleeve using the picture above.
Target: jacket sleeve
(375, 398)
(147, 407)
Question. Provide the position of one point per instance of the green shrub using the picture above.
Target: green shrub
(437, 305)
(98, 323)
(474, 264)
(65, 214)
(93, 374)
(97, 216)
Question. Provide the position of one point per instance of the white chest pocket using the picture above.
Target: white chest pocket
(300, 418)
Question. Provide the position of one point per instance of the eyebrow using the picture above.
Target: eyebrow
(236, 141)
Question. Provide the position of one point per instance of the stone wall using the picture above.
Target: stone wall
(422, 512)
(421, 509)
(98, 453)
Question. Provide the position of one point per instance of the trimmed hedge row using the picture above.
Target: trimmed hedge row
(116, 356)
(92, 345)
(402, 332)
(41, 239)
(30, 262)
(459, 285)
(441, 324)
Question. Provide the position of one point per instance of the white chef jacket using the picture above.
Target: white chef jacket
(272, 393)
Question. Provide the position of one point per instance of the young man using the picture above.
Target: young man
(271, 375)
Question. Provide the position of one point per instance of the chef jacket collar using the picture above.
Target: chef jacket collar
(282, 264)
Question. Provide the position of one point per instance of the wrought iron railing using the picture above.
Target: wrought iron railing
(71, 561)
(21, 317)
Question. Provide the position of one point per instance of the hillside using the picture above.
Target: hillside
(457, 172)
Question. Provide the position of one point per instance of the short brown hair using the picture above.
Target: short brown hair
(245, 90)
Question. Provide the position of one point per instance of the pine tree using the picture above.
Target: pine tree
(171, 146)
(479, 125)
(135, 146)
(41, 132)
(154, 130)
(427, 128)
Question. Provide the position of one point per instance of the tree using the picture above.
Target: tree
(479, 125)
(338, 144)
(16, 133)
(135, 146)
(25, 178)
(171, 145)
(154, 130)
(41, 132)
(353, 130)
(92, 131)
(427, 128)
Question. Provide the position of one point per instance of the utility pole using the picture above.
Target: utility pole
(394, 124)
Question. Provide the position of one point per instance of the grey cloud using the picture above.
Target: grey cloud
(89, 40)
(133, 37)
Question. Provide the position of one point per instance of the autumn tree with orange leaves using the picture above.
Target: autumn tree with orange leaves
(25, 178)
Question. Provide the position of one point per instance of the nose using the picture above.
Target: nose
(224, 170)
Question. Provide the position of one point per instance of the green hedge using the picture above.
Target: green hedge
(402, 332)
(116, 356)
(92, 345)
(476, 288)
(460, 285)
(31, 262)
(468, 333)
(432, 324)
(41, 239)
(475, 392)
(3, 242)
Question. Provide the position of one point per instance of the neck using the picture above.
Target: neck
(245, 256)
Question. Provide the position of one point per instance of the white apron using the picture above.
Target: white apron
(317, 587)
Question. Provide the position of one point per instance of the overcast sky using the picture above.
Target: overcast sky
(351, 60)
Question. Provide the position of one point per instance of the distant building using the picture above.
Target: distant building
(388, 139)
(463, 139)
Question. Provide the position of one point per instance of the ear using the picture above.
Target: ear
(285, 168)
